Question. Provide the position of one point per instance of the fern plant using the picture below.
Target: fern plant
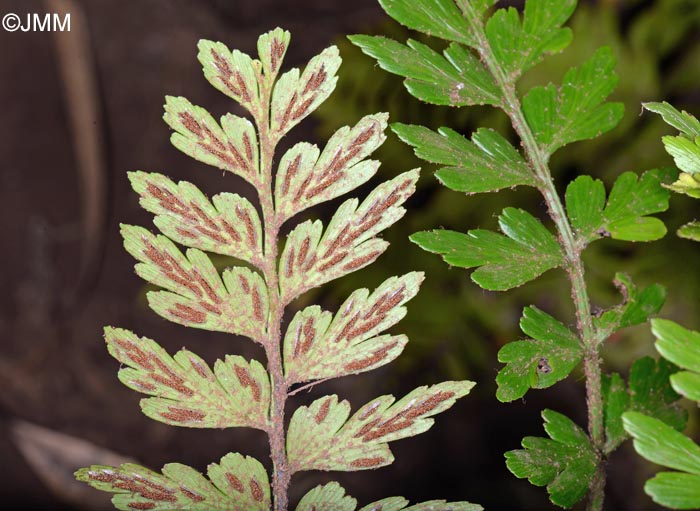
(250, 299)
(485, 55)
(653, 439)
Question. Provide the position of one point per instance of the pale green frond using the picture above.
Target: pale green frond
(318, 345)
(312, 256)
(236, 483)
(323, 436)
(227, 225)
(307, 177)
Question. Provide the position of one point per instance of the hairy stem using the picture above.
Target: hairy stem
(538, 160)
(281, 476)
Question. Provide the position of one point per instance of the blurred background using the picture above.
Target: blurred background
(80, 109)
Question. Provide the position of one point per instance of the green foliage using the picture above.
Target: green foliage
(624, 217)
(565, 462)
(648, 392)
(661, 444)
(466, 160)
(250, 300)
(498, 49)
(517, 46)
(548, 357)
(526, 250)
(654, 439)
(685, 149)
(575, 110)
(682, 347)
(455, 79)
(637, 307)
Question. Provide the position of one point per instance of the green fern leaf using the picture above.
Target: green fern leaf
(682, 347)
(661, 444)
(682, 121)
(319, 346)
(565, 463)
(690, 230)
(576, 110)
(322, 437)
(455, 79)
(526, 251)
(517, 46)
(237, 483)
(637, 307)
(649, 392)
(540, 362)
(624, 217)
(439, 18)
(486, 163)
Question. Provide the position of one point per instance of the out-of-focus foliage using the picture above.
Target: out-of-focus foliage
(656, 52)
(654, 440)
(685, 149)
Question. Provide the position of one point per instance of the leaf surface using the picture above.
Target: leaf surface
(196, 295)
(329, 497)
(236, 483)
(518, 45)
(186, 391)
(636, 307)
(312, 257)
(486, 163)
(576, 110)
(565, 462)
(661, 444)
(690, 231)
(228, 224)
(682, 347)
(231, 146)
(526, 250)
(456, 78)
(318, 345)
(648, 391)
(232, 72)
(625, 216)
(297, 94)
(548, 357)
(307, 176)
(439, 18)
(272, 47)
(682, 121)
(323, 436)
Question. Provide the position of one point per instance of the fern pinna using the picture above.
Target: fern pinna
(486, 52)
(250, 300)
(653, 439)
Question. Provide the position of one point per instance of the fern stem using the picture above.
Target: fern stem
(281, 475)
(538, 161)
